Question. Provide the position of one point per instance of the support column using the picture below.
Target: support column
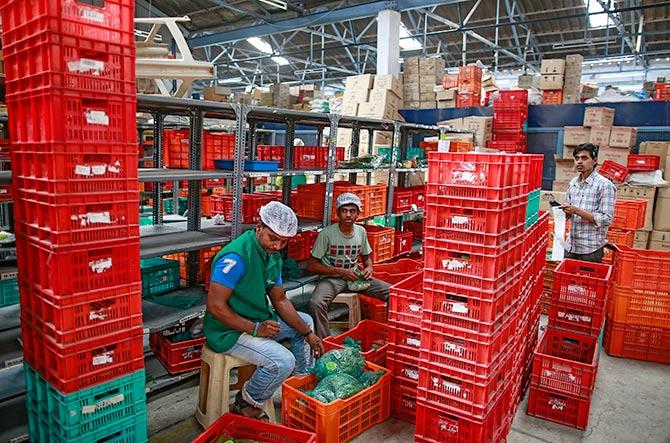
(388, 42)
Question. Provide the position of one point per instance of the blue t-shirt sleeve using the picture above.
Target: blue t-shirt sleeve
(279, 281)
(228, 270)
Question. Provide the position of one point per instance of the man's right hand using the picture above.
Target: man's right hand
(268, 328)
(349, 274)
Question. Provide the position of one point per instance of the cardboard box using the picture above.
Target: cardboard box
(384, 97)
(358, 95)
(600, 135)
(547, 196)
(571, 98)
(618, 155)
(364, 81)
(662, 214)
(565, 169)
(388, 82)
(659, 241)
(641, 239)
(623, 137)
(482, 127)
(567, 152)
(576, 135)
(217, 93)
(374, 110)
(552, 66)
(428, 97)
(662, 149)
(445, 104)
(526, 81)
(598, 116)
(663, 193)
(648, 193)
(573, 61)
(349, 108)
(456, 123)
(551, 81)
(446, 94)
(560, 185)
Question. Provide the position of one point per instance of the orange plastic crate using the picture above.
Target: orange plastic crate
(618, 237)
(552, 97)
(300, 246)
(373, 308)
(373, 337)
(638, 342)
(341, 420)
(376, 200)
(636, 307)
(233, 426)
(310, 202)
(382, 241)
(629, 214)
(642, 270)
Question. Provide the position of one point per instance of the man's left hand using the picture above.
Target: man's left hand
(569, 209)
(315, 344)
(367, 273)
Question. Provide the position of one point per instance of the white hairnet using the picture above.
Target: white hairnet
(347, 198)
(280, 218)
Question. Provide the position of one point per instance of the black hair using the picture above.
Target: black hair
(588, 147)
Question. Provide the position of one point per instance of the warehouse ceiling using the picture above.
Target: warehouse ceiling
(260, 41)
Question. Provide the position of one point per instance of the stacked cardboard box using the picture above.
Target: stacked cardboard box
(527, 81)
(565, 171)
(420, 76)
(281, 95)
(446, 98)
(660, 236)
(217, 93)
(356, 92)
(384, 100)
(482, 127)
(573, 78)
(552, 72)
(660, 148)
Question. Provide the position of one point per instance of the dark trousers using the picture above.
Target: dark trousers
(594, 257)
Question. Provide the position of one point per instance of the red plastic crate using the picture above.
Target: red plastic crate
(58, 115)
(436, 425)
(376, 200)
(373, 309)
(310, 203)
(642, 269)
(509, 120)
(559, 408)
(382, 241)
(614, 171)
(552, 97)
(405, 339)
(566, 362)
(470, 220)
(75, 367)
(177, 357)
(234, 426)
(397, 270)
(449, 81)
(472, 88)
(582, 283)
(516, 96)
(69, 270)
(404, 368)
(418, 195)
(507, 146)
(469, 74)
(416, 227)
(307, 157)
(111, 22)
(62, 219)
(70, 320)
(406, 301)
(340, 420)
(216, 146)
(638, 342)
(402, 199)
(569, 317)
(643, 162)
(176, 143)
(300, 246)
(251, 204)
(271, 152)
(629, 214)
(514, 136)
(373, 337)
(637, 307)
(662, 91)
(403, 403)
(468, 100)
(475, 216)
(403, 243)
(536, 166)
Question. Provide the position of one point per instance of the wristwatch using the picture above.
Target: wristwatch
(307, 333)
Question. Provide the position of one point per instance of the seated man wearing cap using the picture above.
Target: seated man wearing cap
(240, 321)
(335, 256)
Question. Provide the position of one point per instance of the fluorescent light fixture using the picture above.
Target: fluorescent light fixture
(230, 80)
(281, 61)
(598, 21)
(266, 48)
(619, 74)
(275, 3)
(619, 59)
(408, 43)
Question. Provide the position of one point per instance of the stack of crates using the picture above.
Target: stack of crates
(638, 312)
(215, 146)
(469, 87)
(74, 163)
(565, 361)
(535, 186)
(477, 320)
(510, 115)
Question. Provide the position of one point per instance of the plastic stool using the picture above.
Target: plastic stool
(351, 300)
(215, 387)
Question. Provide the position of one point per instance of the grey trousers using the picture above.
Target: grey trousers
(594, 257)
(327, 289)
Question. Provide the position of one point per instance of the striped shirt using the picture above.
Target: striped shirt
(596, 195)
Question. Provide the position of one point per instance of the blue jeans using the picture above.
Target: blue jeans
(274, 363)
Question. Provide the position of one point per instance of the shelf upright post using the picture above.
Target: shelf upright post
(193, 200)
(319, 142)
(241, 112)
(251, 186)
(355, 147)
(157, 209)
(395, 143)
(330, 172)
(287, 181)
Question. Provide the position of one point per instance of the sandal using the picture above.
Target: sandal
(242, 407)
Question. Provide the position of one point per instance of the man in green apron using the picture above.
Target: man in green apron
(239, 319)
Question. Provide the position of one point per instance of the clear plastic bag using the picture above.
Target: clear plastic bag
(339, 361)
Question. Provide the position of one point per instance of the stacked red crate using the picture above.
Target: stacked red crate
(662, 91)
(70, 83)
(215, 146)
(510, 114)
(481, 289)
(469, 87)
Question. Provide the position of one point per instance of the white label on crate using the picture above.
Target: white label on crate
(100, 266)
(454, 265)
(100, 169)
(576, 289)
(86, 65)
(453, 347)
(640, 162)
(412, 373)
(447, 427)
(574, 317)
(414, 308)
(97, 315)
(453, 388)
(103, 359)
(115, 168)
(92, 15)
(110, 401)
(97, 118)
(459, 308)
(556, 404)
(413, 342)
(467, 177)
(99, 217)
(460, 220)
(82, 170)
(443, 145)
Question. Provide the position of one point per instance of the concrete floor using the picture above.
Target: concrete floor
(631, 403)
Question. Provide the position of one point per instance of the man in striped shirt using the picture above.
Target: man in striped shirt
(589, 205)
